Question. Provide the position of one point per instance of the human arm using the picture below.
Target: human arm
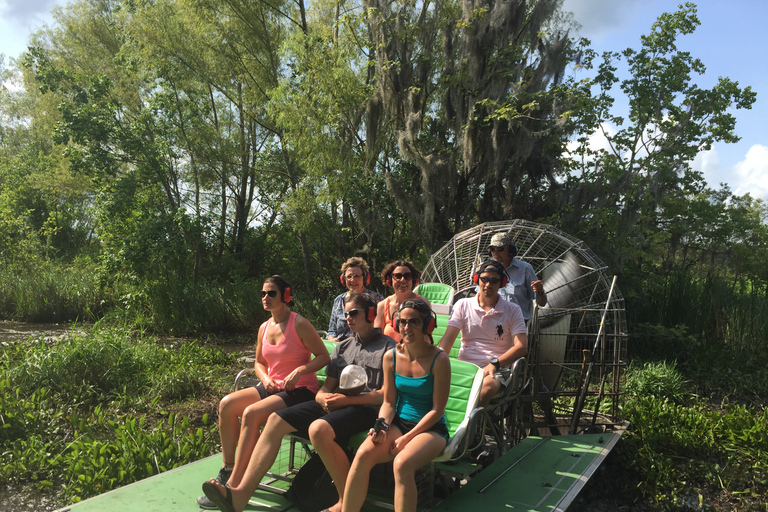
(389, 398)
(518, 349)
(448, 339)
(260, 365)
(337, 316)
(440, 392)
(309, 337)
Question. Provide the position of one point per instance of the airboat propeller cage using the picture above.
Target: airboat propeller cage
(578, 288)
(352, 380)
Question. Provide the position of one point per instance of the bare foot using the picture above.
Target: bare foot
(335, 508)
(228, 499)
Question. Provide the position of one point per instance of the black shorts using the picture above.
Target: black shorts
(293, 397)
(406, 426)
(345, 422)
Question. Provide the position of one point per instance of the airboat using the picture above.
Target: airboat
(539, 443)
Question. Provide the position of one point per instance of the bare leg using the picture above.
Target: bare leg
(254, 416)
(264, 455)
(231, 408)
(417, 453)
(323, 438)
(368, 455)
(491, 386)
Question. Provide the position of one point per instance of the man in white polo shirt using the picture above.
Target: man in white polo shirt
(493, 333)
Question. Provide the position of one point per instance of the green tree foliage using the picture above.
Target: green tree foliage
(639, 193)
(188, 140)
(480, 105)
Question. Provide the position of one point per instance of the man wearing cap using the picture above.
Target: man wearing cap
(328, 421)
(493, 333)
(523, 285)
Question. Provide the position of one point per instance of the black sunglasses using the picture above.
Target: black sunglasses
(271, 293)
(353, 312)
(492, 280)
(498, 249)
(398, 276)
(413, 322)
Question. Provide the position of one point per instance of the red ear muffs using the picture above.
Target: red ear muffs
(287, 294)
(343, 280)
(370, 314)
(430, 326)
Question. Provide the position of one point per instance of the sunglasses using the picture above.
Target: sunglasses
(271, 293)
(398, 276)
(497, 249)
(413, 322)
(353, 312)
(492, 280)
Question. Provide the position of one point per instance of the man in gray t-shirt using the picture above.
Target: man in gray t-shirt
(331, 419)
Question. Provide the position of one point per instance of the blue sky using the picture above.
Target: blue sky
(730, 41)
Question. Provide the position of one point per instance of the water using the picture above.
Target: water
(19, 331)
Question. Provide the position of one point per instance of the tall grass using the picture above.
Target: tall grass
(51, 293)
(711, 309)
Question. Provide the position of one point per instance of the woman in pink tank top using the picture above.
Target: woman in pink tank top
(285, 366)
(402, 276)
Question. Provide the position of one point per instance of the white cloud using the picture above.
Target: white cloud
(708, 163)
(25, 12)
(752, 173)
(748, 175)
(598, 17)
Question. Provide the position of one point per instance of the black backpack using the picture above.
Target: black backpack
(312, 489)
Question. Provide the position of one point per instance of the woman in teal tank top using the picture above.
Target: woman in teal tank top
(411, 429)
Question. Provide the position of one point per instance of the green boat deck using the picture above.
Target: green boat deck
(539, 474)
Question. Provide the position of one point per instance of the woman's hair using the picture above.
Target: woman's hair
(355, 261)
(282, 285)
(387, 272)
(361, 300)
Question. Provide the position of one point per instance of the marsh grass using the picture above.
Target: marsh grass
(50, 293)
(709, 310)
(96, 411)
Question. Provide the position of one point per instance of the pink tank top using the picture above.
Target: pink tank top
(287, 355)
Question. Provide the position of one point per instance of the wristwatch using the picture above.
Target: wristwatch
(495, 362)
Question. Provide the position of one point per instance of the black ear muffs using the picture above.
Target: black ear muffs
(511, 249)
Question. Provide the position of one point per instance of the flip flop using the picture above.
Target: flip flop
(224, 503)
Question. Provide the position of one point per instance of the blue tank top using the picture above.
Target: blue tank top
(414, 394)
